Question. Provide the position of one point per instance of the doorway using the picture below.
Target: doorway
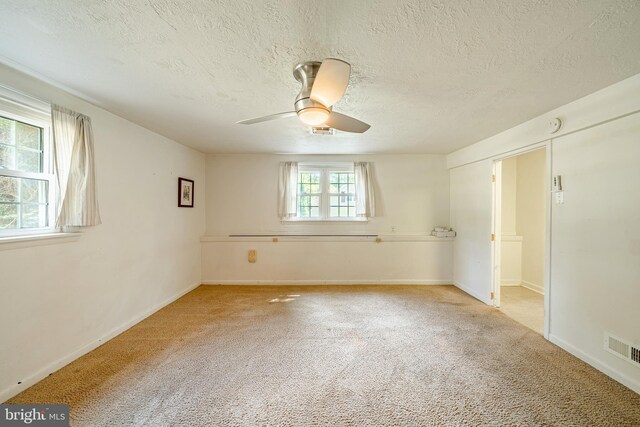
(520, 230)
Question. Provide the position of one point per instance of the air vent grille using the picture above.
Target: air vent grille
(622, 349)
(618, 347)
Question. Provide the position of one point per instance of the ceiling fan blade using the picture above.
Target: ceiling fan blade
(331, 81)
(267, 118)
(346, 123)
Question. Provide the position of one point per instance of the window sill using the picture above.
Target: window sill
(30, 240)
(323, 220)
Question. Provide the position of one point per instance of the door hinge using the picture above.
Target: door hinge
(493, 178)
(491, 295)
(493, 237)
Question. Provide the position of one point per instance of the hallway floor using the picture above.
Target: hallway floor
(524, 306)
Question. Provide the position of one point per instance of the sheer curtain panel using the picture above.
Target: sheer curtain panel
(365, 197)
(74, 168)
(288, 190)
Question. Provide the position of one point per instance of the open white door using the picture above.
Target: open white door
(496, 234)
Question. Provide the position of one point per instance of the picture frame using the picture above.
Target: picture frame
(185, 193)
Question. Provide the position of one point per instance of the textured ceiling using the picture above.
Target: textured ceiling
(429, 76)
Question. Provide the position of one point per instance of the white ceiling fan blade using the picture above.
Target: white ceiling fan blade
(267, 118)
(346, 123)
(331, 82)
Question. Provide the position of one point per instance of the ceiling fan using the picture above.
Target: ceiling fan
(323, 84)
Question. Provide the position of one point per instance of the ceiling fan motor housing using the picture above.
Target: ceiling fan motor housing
(305, 73)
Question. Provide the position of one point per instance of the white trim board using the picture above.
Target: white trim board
(289, 282)
(597, 364)
(282, 238)
(60, 363)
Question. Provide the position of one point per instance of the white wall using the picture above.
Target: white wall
(595, 234)
(595, 262)
(509, 195)
(523, 220)
(59, 300)
(511, 249)
(412, 196)
(530, 216)
(511, 261)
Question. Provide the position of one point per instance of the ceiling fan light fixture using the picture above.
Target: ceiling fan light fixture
(313, 116)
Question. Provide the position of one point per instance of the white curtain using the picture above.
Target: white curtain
(365, 196)
(74, 168)
(288, 190)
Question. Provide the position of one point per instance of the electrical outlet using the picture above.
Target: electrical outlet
(253, 255)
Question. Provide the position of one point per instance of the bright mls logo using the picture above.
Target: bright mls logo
(34, 415)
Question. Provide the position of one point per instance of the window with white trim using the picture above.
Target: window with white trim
(26, 176)
(326, 192)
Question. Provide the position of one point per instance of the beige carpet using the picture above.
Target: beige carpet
(524, 306)
(332, 355)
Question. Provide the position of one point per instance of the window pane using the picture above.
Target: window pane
(8, 216)
(315, 212)
(7, 157)
(33, 191)
(28, 161)
(33, 216)
(8, 189)
(6, 131)
(28, 136)
(333, 211)
(339, 182)
(20, 146)
(23, 202)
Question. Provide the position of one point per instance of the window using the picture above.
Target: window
(26, 179)
(326, 192)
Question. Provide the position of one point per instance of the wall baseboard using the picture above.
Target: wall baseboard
(32, 379)
(509, 283)
(328, 282)
(533, 287)
(599, 365)
(485, 299)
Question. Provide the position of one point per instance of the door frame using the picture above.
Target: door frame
(496, 221)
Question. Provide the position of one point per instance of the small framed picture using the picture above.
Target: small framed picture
(185, 193)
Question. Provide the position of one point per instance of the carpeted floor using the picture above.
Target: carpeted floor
(333, 355)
